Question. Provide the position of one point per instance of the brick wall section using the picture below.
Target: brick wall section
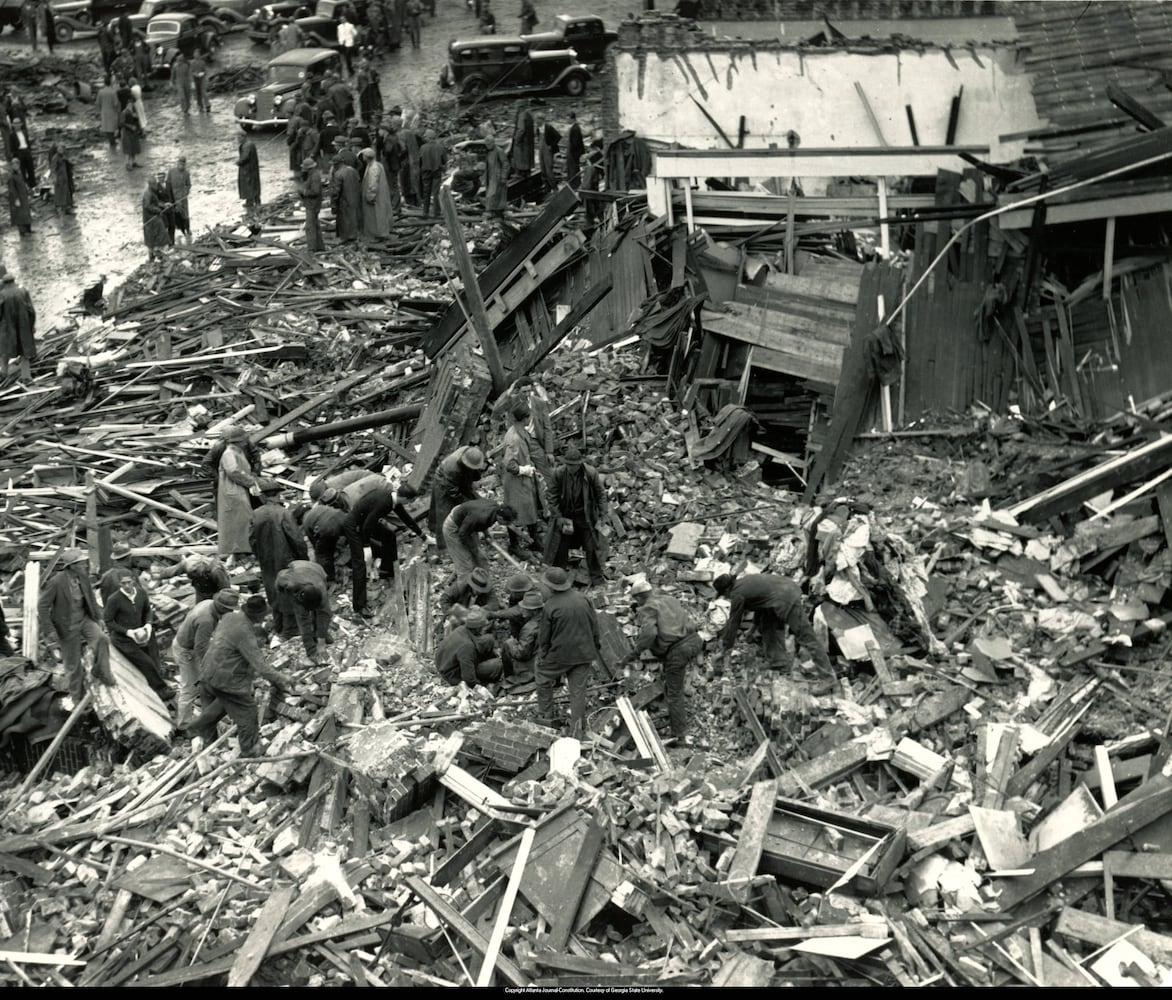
(511, 746)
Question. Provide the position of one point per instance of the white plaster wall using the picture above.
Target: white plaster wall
(814, 94)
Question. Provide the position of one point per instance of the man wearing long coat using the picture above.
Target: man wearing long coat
(18, 325)
(19, 200)
(551, 139)
(409, 176)
(577, 503)
(276, 540)
(233, 503)
(179, 189)
(376, 199)
(67, 602)
(523, 142)
(519, 482)
(496, 179)
(109, 111)
(346, 196)
(248, 173)
(309, 191)
(154, 220)
(454, 482)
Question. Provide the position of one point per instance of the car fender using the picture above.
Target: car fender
(241, 108)
(569, 71)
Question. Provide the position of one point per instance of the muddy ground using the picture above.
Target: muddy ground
(65, 254)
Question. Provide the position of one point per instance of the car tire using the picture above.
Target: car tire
(63, 32)
(574, 86)
(473, 86)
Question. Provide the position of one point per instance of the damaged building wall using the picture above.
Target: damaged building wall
(667, 83)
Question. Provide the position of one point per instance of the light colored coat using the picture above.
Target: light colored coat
(520, 492)
(233, 506)
(109, 111)
(376, 201)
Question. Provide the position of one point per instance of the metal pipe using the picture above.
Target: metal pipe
(303, 435)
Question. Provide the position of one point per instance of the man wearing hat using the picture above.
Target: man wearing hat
(190, 645)
(228, 672)
(433, 157)
(310, 193)
(390, 152)
(324, 525)
(346, 198)
(377, 213)
(473, 590)
(520, 651)
(376, 517)
(496, 178)
(208, 576)
(237, 486)
(512, 615)
(18, 326)
(667, 631)
(327, 528)
(302, 586)
(778, 606)
(454, 482)
(519, 484)
(276, 540)
(578, 508)
(67, 602)
(567, 645)
(463, 655)
(119, 567)
(464, 526)
(130, 624)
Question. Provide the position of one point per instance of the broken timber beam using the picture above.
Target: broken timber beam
(559, 206)
(260, 938)
(319, 432)
(474, 299)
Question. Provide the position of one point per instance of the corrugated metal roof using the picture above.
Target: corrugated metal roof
(1075, 49)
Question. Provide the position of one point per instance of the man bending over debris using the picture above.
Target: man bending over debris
(666, 630)
(302, 587)
(464, 526)
(779, 607)
(519, 652)
(227, 674)
(464, 655)
(190, 646)
(208, 576)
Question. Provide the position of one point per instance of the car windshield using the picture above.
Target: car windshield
(162, 28)
(286, 73)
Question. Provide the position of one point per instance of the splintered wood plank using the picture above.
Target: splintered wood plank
(747, 857)
(575, 887)
(256, 945)
(492, 953)
(456, 921)
(1147, 804)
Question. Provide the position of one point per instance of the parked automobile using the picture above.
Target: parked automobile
(498, 65)
(72, 17)
(167, 34)
(153, 8)
(78, 11)
(265, 22)
(269, 107)
(584, 33)
(235, 13)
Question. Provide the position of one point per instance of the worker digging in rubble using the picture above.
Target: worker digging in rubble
(475, 590)
(277, 540)
(567, 646)
(464, 526)
(190, 646)
(130, 624)
(667, 631)
(453, 483)
(208, 576)
(323, 525)
(326, 529)
(465, 656)
(229, 669)
(67, 602)
(778, 607)
(512, 615)
(519, 652)
(302, 586)
(370, 516)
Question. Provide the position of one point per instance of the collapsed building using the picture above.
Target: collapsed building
(928, 394)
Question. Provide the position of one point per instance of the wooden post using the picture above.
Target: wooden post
(91, 523)
(884, 228)
(506, 908)
(30, 623)
(688, 205)
(473, 299)
(791, 241)
(885, 390)
(1109, 258)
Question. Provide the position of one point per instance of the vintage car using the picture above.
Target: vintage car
(584, 33)
(264, 23)
(167, 34)
(235, 13)
(269, 107)
(149, 9)
(494, 65)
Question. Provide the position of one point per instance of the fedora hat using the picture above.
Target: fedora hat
(520, 583)
(121, 550)
(235, 433)
(573, 457)
(479, 582)
(473, 457)
(557, 579)
(309, 163)
(476, 619)
(640, 587)
(71, 556)
(533, 601)
(226, 600)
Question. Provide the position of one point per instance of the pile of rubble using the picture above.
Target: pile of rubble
(981, 801)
